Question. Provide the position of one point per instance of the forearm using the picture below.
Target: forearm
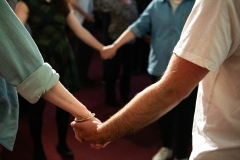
(124, 38)
(61, 97)
(156, 100)
(82, 33)
(145, 108)
(89, 39)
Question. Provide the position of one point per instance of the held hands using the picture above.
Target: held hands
(89, 125)
(90, 131)
(108, 52)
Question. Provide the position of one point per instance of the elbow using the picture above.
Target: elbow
(174, 94)
(179, 94)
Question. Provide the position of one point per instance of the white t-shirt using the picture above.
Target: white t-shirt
(211, 39)
(87, 6)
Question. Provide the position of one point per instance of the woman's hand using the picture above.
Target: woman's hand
(108, 52)
(90, 131)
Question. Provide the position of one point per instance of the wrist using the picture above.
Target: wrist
(115, 46)
(82, 119)
(100, 48)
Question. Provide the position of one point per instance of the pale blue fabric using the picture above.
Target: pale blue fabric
(165, 28)
(21, 66)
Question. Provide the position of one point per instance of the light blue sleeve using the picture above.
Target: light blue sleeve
(143, 24)
(21, 63)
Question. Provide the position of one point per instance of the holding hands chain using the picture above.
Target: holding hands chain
(108, 52)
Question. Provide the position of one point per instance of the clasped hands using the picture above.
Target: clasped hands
(90, 131)
(108, 52)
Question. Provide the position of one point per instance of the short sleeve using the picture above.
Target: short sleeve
(209, 35)
(142, 25)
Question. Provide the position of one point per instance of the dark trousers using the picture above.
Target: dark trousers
(35, 112)
(141, 56)
(84, 54)
(120, 63)
(176, 126)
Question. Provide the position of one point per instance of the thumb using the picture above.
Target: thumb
(78, 135)
(76, 125)
(73, 124)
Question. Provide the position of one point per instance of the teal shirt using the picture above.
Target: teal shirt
(165, 28)
(22, 69)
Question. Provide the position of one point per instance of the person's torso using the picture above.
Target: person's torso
(46, 22)
(216, 131)
(165, 28)
(122, 15)
(212, 43)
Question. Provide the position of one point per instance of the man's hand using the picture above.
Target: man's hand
(93, 134)
(89, 126)
(108, 52)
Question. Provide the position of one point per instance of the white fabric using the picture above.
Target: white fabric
(87, 6)
(211, 39)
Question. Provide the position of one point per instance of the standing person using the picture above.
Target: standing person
(141, 53)
(22, 70)
(165, 21)
(47, 20)
(208, 54)
(122, 14)
(84, 13)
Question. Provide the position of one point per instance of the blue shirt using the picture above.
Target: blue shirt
(22, 70)
(165, 28)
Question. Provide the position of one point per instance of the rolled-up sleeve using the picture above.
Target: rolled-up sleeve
(142, 25)
(21, 63)
(40, 81)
